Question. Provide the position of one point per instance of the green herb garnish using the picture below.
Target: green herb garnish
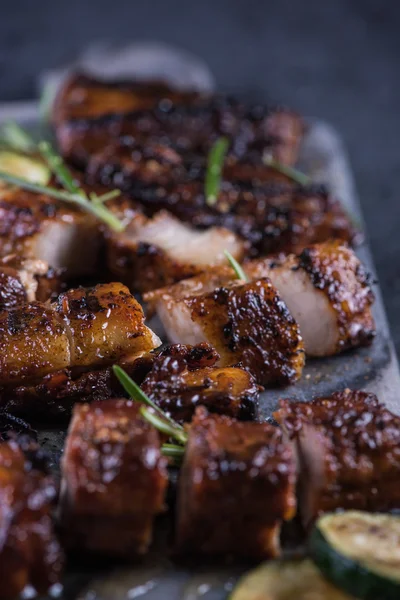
(159, 419)
(294, 174)
(19, 140)
(215, 165)
(240, 274)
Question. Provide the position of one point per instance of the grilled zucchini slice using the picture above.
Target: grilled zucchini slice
(286, 580)
(360, 553)
(28, 168)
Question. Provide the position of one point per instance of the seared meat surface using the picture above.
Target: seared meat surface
(236, 487)
(26, 280)
(37, 227)
(348, 449)
(29, 551)
(154, 252)
(247, 323)
(84, 328)
(177, 388)
(114, 480)
(89, 114)
(327, 290)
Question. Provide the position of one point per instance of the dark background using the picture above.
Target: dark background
(335, 59)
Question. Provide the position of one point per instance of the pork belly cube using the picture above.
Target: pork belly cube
(114, 480)
(348, 451)
(105, 324)
(38, 227)
(29, 552)
(25, 280)
(152, 253)
(178, 388)
(236, 487)
(247, 323)
(34, 342)
(328, 292)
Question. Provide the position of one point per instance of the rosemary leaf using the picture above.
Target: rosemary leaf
(137, 394)
(163, 426)
(58, 167)
(17, 138)
(240, 274)
(215, 165)
(294, 174)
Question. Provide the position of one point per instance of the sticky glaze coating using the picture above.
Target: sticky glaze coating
(328, 292)
(35, 226)
(84, 328)
(114, 480)
(30, 553)
(236, 486)
(178, 390)
(25, 280)
(88, 114)
(348, 447)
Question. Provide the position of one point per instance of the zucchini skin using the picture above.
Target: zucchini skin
(347, 574)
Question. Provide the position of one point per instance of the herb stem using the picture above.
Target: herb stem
(58, 168)
(294, 174)
(163, 426)
(215, 165)
(240, 274)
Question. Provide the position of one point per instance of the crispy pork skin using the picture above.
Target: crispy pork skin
(84, 328)
(114, 480)
(37, 227)
(348, 449)
(247, 323)
(327, 290)
(236, 487)
(152, 253)
(25, 280)
(178, 388)
(29, 551)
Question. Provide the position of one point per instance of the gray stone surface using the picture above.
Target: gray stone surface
(339, 61)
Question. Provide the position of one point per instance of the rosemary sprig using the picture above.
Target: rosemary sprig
(240, 274)
(18, 139)
(160, 420)
(294, 174)
(173, 450)
(96, 209)
(215, 165)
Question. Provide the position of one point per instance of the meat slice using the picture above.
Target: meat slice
(236, 487)
(327, 290)
(37, 227)
(84, 328)
(348, 449)
(114, 480)
(178, 388)
(247, 323)
(26, 280)
(29, 551)
(152, 253)
(88, 115)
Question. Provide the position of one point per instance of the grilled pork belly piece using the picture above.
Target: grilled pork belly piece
(83, 328)
(25, 280)
(348, 449)
(247, 323)
(86, 120)
(37, 227)
(29, 551)
(114, 480)
(236, 487)
(327, 290)
(178, 389)
(152, 253)
(254, 201)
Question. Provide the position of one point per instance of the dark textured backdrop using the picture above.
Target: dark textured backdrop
(338, 60)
